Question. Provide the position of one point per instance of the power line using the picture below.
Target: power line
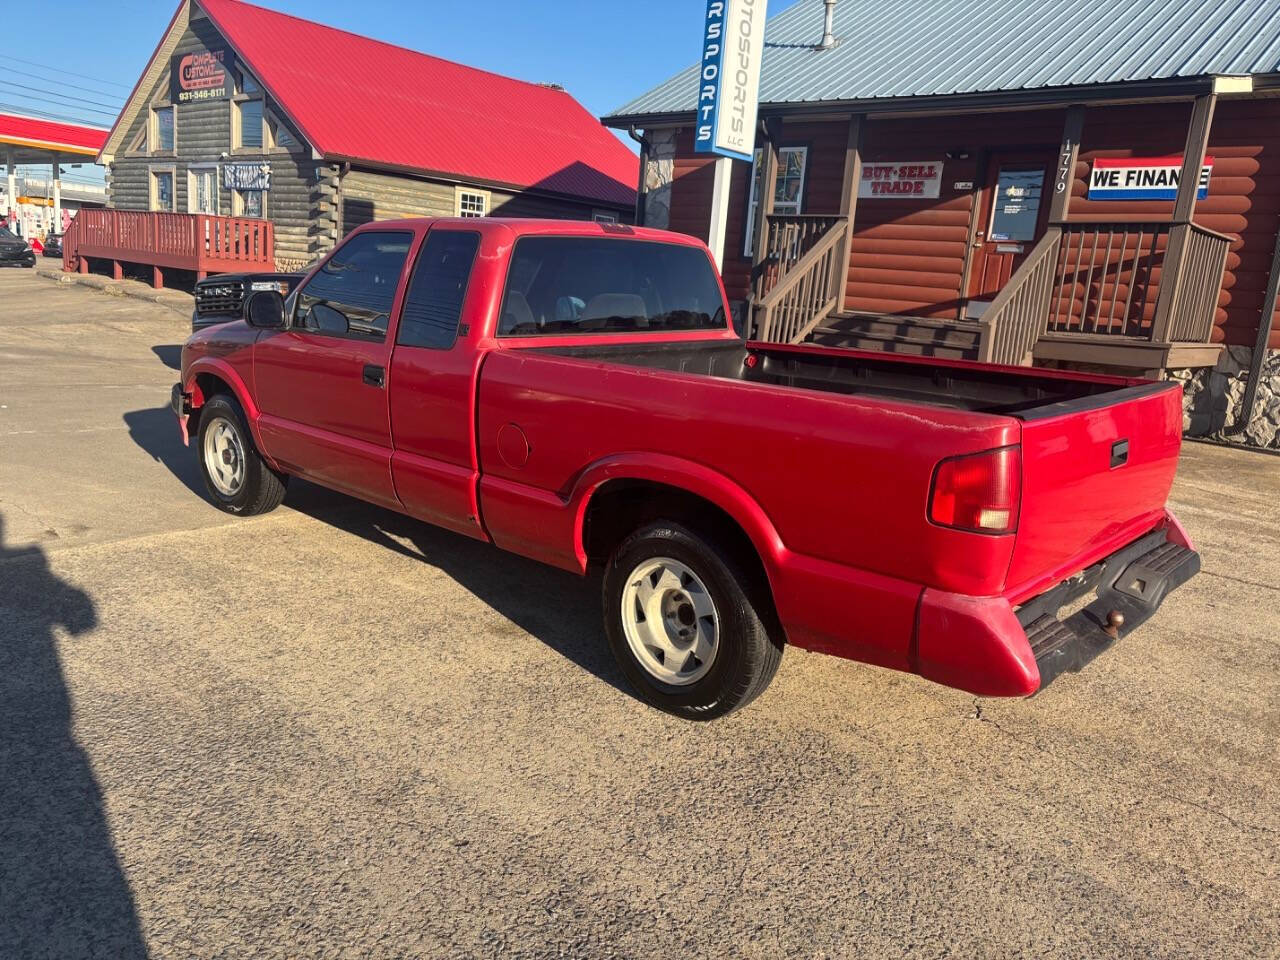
(113, 107)
(45, 66)
(43, 114)
(69, 85)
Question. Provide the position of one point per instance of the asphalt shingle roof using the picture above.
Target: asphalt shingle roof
(914, 48)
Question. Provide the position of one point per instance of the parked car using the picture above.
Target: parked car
(221, 298)
(574, 393)
(14, 251)
(53, 246)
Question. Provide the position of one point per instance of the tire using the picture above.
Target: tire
(236, 477)
(695, 585)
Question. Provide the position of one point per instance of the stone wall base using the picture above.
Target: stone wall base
(1213, 400)
(658, 175)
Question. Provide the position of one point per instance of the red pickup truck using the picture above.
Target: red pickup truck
(574, 392)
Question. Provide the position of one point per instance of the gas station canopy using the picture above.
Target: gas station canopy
(25, 140)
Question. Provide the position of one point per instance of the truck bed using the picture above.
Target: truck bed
(1025, 393)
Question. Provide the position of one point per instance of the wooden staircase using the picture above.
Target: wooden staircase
(916, 336)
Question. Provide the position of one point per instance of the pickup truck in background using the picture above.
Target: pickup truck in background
(574, 393)
(222, 297)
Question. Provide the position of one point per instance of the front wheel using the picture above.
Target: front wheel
(686, 625)
(235, 475)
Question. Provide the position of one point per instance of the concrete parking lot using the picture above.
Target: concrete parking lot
(333, 732)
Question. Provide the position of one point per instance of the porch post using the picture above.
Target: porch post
(764, 200)
(849, 196)
(1184, 208)
(1067, 155)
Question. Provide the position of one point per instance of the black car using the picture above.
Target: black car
(14, 251)
(221, 298)
(53, 245)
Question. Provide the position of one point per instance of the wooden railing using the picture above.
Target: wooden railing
(1104, 279)
(1015, 319)
(1195, 302)
(807, 291)
(1108, 278)
(199, 242)
(788, 237)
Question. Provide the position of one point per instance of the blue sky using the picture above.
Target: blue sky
(603, 51)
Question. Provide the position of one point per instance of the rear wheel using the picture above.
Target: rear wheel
(235, 475)
(685, 623)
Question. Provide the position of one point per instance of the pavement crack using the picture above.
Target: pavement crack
(1118, 781)
(1243, 580)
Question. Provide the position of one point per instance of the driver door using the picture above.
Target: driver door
(322, 384)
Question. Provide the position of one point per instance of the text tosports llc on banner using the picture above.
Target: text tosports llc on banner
(728, 97)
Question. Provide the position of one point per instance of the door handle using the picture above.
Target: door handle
(374, 375)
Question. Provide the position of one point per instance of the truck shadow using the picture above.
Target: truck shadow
(558, 608)
(156, 431)
(62, 890)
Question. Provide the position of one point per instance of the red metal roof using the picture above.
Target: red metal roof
(360, 99)
(50, 135)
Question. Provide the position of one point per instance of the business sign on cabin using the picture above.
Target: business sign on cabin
(1142, 178)
(729, 79)
(911, 179)
(202, 75)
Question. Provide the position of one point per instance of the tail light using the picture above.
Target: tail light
(978, 492)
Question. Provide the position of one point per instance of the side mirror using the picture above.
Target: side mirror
(266, 310)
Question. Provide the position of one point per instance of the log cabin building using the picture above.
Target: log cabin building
(243, 112)
(1089, 183)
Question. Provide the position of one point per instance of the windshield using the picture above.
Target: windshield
(566, 285)
(6, 235)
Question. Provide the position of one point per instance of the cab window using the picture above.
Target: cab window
(433, 302)
(351, 295)
(571, 285)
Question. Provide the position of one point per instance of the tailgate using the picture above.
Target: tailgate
(1096, 474)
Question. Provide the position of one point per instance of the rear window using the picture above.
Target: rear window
(566, 285)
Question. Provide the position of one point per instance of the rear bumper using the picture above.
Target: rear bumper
(985, 646)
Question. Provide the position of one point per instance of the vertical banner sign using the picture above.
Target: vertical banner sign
(729, 79)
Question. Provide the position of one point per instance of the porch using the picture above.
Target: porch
(196, 242)
(1140, 293)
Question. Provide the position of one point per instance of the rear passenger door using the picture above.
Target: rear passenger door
(433, 374)
(322, 384)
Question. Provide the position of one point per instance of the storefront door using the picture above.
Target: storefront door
(1012, 213)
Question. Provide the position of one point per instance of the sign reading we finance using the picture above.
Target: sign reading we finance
(729, 78)
(1142, 178)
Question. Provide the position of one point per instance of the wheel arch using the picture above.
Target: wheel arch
(615, 498)
(210, 376)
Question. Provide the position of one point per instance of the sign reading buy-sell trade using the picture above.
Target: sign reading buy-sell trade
(1142, 178)
(729, 78)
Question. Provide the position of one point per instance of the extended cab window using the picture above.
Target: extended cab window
(566, 285)
(352, 294)
(433, 305)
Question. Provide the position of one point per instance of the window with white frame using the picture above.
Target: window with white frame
(202, 189)
(249, 203)
(281, 136)
(162, 197)
(788, 194)
(471, 203)
(248, 125)
(604, 216)
(162, 132)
